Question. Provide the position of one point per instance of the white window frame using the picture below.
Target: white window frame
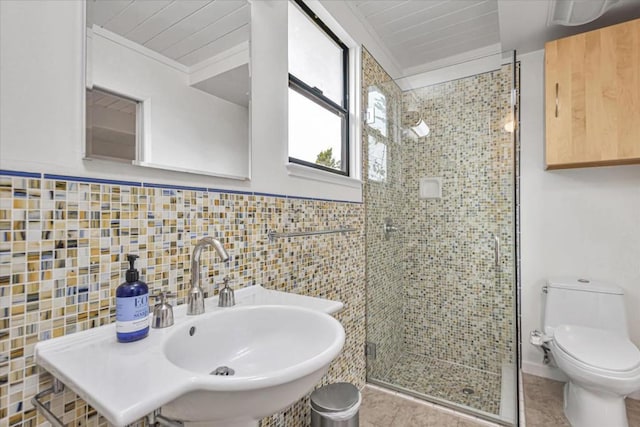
(354, 178)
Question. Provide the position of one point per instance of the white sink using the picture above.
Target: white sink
(279, 344)
(277, 353)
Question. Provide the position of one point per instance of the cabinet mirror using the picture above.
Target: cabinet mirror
(167, 84)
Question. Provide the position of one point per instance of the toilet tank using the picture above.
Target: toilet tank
(581, 302)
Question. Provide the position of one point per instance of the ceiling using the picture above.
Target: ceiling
(188, 32)
(416, 32)
(523, 23)
(420, 35)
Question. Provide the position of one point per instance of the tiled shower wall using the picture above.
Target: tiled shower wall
(383, 194)
(459, 306)
(433, 288)
(62, 247)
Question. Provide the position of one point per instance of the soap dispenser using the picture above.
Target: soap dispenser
(132, 306)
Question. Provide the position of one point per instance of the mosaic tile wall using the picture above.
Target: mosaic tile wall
(439, 311)
(383, 195)
(458, 307)
(62, 244)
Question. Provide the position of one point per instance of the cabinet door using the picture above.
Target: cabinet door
(592, 93)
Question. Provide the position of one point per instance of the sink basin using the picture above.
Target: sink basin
(279, 345)
(266, 358)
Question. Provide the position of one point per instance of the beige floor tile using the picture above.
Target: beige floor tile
(369, 423)
(543, 408)
(417, 415)
(468, 423)
(633, 412)
(544, 404)
(381, 409)
(378, 409)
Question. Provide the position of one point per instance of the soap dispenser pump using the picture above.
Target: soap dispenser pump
(132, 306)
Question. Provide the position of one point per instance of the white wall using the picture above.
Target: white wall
(41, 96)
(189, 128)
(578, 222)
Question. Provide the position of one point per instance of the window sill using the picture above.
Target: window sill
(305, 172)
(193, 171)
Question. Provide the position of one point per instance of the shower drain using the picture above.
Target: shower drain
(223, 371)
(467, 391)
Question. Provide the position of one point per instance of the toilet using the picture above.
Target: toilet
(585, 332)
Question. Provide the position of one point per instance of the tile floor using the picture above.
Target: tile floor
(543, 408)
(543, 404)
(446, 380)
(382, 408)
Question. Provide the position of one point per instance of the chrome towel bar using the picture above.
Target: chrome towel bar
(272, 234)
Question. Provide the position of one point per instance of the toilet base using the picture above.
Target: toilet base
(585, 408)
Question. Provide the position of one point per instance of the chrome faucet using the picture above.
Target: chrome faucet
(195, 299)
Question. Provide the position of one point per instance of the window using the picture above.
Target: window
(111, 125)
(318, 93)
(377, 110)
(377, 138)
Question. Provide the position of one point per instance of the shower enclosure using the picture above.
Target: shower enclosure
(440, 202)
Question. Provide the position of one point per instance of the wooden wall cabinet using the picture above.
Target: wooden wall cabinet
(592, 95)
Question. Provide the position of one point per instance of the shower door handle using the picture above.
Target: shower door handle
(496, 249)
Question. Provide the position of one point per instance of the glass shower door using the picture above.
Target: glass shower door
(441, 289)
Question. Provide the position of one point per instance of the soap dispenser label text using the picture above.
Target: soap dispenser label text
(132, 313)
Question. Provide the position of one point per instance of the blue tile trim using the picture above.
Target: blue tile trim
(348, 201)
(218, 190)
(174, 187)
(309, 198)
(19, 173)
(164, 186)
(257, 193)
(92, 180)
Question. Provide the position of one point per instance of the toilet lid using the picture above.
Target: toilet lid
(598, 347)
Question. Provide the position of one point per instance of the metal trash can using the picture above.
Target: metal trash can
(335, 405)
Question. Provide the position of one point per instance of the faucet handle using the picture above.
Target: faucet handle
(162, 311)
(226, 298)
(163, 295)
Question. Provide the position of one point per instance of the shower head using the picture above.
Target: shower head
(414, 121)
(421, 129)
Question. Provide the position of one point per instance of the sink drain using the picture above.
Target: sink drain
(224, 371)
(467, 391)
